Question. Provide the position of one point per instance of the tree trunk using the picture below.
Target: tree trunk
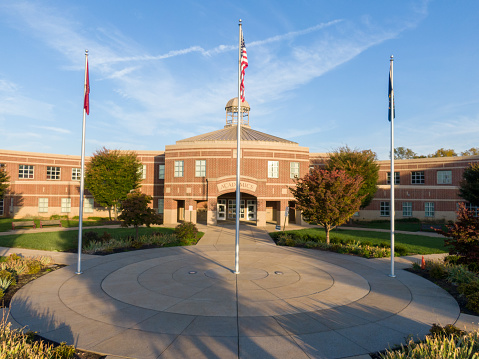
(136, 237)
(109, 213)
(327, 229)
(115, 210)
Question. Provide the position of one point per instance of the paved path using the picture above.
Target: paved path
(185, 302)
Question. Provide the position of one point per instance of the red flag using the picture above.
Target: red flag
(244, 65)
(86, 103)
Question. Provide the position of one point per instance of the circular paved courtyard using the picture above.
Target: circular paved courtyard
(187, 302)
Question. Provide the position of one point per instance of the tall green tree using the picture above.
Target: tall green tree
(111, 175)
(469, 186)
(444, 152)
(357, 163)
(328, 198)
(135, 211)
(473, 151)
(4, 181)
(403, 153)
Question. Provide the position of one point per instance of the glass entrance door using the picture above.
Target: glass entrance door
(232, 209)
(221, 210)
(251, 208)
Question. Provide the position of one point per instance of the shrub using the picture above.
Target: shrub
(448, 330)
(437, 270)
(468, 289)
(7, 277)
(451, 259)
(34, 266)
(473, 302)
(89, 237)
(460, 274)
(14, 257)
(186, 231)
(400, 250)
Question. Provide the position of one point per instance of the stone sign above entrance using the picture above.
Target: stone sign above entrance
(232, 185)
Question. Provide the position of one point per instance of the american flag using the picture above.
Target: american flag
(86, 102)
(243, 66)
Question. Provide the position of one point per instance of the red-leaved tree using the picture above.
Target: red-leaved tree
(463, 236)
(328, 198)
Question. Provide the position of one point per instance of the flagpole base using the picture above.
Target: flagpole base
(235, 272)
(78, 273)
(392, 275)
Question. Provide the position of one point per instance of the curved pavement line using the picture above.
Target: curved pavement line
(185, 302)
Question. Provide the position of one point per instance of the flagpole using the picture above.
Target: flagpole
(82, 170)
(238, 155)
(391, 116)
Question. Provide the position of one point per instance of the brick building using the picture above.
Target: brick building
(195, 180)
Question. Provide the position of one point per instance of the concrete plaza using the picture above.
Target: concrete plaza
(186, 302)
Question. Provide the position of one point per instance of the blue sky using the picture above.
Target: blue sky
(163, 71)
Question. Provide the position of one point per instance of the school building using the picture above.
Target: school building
(195, 180)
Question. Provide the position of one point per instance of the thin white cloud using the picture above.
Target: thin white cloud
(54, 129)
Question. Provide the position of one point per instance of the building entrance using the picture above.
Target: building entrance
(226, 209)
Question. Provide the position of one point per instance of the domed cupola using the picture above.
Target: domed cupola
(232, 113)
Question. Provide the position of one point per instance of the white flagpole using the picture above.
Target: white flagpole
(392, 209)
(82, 171)
(238, 155)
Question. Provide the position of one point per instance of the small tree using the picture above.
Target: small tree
(443, 152)
(463, 236)
(111, 175)
(328, 198)
(4, 179)
(136, 212)
(403, 153)
(473, 151)
(469, 186)
(357, 163)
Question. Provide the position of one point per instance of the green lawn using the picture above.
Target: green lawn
(6, 223)
(67, 240)
(413, 243)
(400, 225)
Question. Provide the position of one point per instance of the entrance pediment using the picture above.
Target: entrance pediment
(228, 186)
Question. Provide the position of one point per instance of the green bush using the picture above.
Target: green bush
(437, 270)
(448, 330)
(7, 276)
(468, 289)
(34, 266)
(452, 259)
(473, 302)
(460, 274)
(186, 231)
(400, 250)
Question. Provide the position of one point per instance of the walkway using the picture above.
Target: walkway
(185, 302)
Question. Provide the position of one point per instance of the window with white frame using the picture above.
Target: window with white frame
(66, 205)
(200, 168)
(88, 205)
(417, 177)
(273, 169)
(444, 177)
(429, 209)
(76, 174)
(142, 171)
(397, 178)
(384, 209)
(1, 206)
(42, 205)
(179, 168)
(407, 209)
(161, 205)
(161, 171)
(294, 169)
(53, 173)
(25, 171)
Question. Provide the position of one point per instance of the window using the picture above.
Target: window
(76, 174)
(200, 168)
(42, 205)
(429, 209)
(294, 169)
(88, 205)
(53, 173)
(25, 171)
(444, 177)
(384, 209)
(417, 177)
(142, 171)
(161, 171)
(407, 209)
(273, 169)
(472, 208)
(179, 168)
(397, 178)
(161, 205)
(1, 206)
(66, 205)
